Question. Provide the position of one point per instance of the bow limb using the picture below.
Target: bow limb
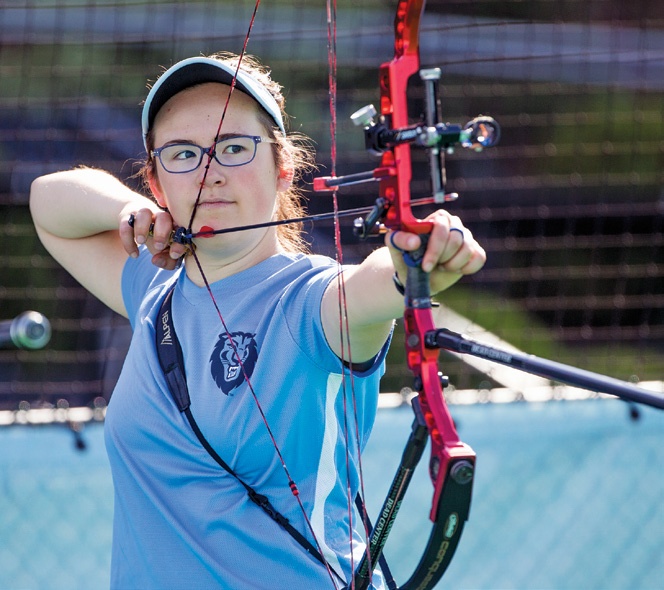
(451, 466)
(393, 78)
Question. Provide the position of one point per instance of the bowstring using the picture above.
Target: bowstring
(344, 326)
(210, 156)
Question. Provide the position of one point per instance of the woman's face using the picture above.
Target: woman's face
(230, 196)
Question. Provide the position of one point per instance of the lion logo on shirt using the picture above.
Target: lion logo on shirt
(225, 367)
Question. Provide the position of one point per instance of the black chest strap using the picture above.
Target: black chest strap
(172, 363)
(171, 360)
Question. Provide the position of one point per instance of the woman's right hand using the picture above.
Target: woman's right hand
(154, 229)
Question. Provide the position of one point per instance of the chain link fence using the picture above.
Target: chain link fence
(567, 496)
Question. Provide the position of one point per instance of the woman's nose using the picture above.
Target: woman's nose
(212, 172)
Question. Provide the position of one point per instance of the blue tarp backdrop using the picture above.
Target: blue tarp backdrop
(568, 496)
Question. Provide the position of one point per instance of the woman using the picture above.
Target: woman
(273, 348)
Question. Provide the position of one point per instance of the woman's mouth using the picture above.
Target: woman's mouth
(215, 203)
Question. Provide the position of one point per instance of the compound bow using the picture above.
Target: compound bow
(451, 466)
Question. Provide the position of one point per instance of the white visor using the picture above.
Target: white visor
(199, 70)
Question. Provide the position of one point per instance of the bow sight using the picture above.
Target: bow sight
(436, 137)
(479, 133)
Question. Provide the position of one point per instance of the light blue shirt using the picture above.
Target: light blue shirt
(180, 521)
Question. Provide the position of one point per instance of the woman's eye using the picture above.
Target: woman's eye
(183, 154)
(233, 148)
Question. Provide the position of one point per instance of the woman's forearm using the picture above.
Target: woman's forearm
(82, 202)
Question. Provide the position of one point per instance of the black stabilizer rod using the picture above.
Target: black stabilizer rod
(448, 340)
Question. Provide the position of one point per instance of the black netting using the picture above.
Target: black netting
(568, 206)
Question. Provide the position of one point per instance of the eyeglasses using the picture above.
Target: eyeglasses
(178, 158)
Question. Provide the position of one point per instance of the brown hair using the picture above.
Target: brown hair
(294, 149)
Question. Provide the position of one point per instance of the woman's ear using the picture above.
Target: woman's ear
(285, 178)
(155, 189)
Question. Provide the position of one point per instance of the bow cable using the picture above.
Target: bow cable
(344, 325)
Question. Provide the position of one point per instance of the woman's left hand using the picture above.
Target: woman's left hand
(451, 252)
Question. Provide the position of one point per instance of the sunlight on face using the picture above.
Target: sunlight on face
(229, 196)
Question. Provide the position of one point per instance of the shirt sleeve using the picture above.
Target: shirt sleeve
(138, 276)
(301, 306)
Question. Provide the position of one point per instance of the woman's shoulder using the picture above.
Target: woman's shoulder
(303, 271)
(316, 263)
(142, 280)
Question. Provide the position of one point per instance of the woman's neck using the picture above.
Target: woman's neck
(219, 263)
